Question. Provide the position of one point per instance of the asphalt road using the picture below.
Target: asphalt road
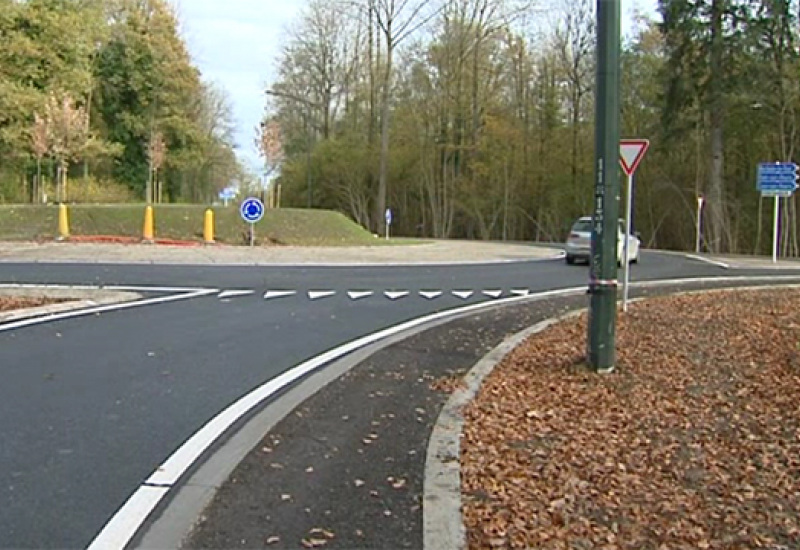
(90, 406)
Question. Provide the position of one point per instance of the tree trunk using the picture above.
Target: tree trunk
(716, 192)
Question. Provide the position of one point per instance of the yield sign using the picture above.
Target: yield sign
(631, 152)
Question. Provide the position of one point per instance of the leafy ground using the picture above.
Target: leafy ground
(10, 303)
(694, 442)
(284, 226)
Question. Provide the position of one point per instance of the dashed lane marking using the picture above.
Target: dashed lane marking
(235, 293)
(463, 294)
(396, 295)
(493, 293)
(430, 294)
(358, 294)
(319, 294)
(270, 294)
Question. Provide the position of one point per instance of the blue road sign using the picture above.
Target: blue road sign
(388, 216)
(252, 210)
(777, 178)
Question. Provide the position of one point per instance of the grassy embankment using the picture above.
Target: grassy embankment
(284, 226)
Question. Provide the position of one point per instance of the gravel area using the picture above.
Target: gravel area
(12, 303)
(694, 441)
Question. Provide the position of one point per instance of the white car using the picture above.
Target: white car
(579, 242)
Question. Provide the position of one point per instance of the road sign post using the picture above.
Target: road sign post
(776, 179)
(603, 265)
(252, 210)
(631, 153)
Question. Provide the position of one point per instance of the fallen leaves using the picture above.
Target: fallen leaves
(10, 303)
(693, 442)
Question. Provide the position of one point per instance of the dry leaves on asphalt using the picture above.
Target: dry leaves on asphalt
(694, 442)
(10, 303)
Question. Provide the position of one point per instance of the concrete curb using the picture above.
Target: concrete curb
(442, 524)
(78, 299)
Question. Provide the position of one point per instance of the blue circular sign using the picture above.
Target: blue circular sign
(252, 210)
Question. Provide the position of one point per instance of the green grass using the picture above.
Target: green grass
(185, 222)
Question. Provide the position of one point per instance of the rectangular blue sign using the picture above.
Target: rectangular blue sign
(776, 177)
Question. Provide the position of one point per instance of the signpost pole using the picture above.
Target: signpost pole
(252, 234)
(626, 272)
(603, 264)
(776, 229)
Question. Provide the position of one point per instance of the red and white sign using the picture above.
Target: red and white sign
(631, 153)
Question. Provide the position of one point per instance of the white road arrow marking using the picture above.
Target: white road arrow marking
(520, 292)
(279, 294)
(463, 294)
(396, 295)
(430, 294)
(319, 294)
(493, 293)
(235, 293)
(358, 294)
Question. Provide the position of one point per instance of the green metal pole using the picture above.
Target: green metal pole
(603, 270)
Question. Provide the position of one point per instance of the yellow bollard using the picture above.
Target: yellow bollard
(149, 231)
(63, 222)
(208, 227)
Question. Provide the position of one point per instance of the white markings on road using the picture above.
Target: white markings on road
(111, 307)
(493, 293)
(358, 294)
(717, 263)
(319, 294)
(520, 292)
(463, 294)
(430, 294)
(270, 294)
(396, 295)
(235, 293)
(127, 520)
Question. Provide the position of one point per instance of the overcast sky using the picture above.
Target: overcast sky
(235, 43)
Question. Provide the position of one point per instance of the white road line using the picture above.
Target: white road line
(463, 294)
(270, 294)
(319, 294)
(493, 293)
(127, 520)
(520, 292)
(170, 289)
(396, 295)
(430, 294)
(708, 261)
(358, 294)
(235, 293)
(103, 309)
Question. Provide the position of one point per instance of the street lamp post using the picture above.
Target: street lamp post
(603, 269)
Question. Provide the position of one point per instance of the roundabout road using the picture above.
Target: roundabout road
(90, 406)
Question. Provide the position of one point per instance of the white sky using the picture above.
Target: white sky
(236, 43)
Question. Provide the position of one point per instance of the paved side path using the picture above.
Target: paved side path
(451, 251)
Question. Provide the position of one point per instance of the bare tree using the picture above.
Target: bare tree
(396, 20)
(269, 141)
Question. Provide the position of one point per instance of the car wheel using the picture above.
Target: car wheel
(569, 259)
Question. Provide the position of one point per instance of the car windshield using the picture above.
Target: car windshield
(582, 226)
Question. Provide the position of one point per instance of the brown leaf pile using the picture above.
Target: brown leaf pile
(694, 441)
(10, 303)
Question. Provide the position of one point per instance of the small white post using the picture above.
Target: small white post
(700, 201)
(776, 229)
(252, 234)
(627, 265)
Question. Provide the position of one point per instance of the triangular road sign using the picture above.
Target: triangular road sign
(631, 153)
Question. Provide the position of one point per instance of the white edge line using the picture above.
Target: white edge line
(708, 261)
(103, 309)
(127, 520)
